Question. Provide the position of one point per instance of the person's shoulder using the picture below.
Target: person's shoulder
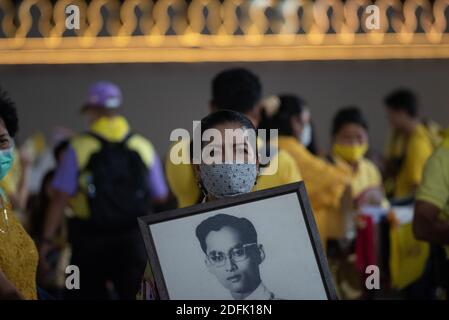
(369, 164)
(419, 132)
(142, 146)
(285, 158)
(287, 165)
(421, 135)
(440, 158)
(137, 138)
(178, 155)
(83, 145)
(83, 137)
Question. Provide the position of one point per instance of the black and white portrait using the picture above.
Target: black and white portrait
(233, 255)
(255, 250)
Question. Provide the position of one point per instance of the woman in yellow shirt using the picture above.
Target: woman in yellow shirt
(324, 182)
(216, 176)
(349, 146)
(18, 254)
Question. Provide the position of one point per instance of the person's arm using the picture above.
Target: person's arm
(52, 222)
(418, 152)
(431, 198)
(54, 214)
(427, 225)
(7, 290)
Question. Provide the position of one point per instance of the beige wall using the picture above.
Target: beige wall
(161, 97)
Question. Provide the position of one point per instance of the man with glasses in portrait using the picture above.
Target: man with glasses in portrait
(233, 255)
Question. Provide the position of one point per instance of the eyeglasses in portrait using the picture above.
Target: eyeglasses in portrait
(259, 246)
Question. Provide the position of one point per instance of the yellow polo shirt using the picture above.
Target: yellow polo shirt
(366, 176)
(415, 151)
(435, 185)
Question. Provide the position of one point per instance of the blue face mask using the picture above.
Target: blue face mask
(6, 161)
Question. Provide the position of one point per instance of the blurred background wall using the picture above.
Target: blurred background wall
(161, 97)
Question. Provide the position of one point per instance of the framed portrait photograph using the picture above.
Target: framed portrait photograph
(263, 245)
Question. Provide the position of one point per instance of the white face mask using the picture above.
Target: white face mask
(306, 135)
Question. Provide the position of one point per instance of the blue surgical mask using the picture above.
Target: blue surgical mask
(224, 180)
(6, 161)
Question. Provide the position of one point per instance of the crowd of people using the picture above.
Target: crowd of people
(389, 210)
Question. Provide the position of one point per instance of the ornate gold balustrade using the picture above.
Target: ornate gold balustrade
(34, 31)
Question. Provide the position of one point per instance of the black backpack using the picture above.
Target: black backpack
(117, 186)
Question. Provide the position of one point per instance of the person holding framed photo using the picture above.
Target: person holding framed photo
(236, 244)
(220, 180)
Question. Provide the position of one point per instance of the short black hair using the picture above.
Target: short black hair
(8, 113)
(236, 89)
(225, 116)
(217, 222)
(290, 105)
(348, 115)
(402, 100)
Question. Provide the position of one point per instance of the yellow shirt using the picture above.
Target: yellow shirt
(324, 182)
(435, 185)
(415, 151)
(366, 176)
(18, 255)
(287, 172)
(182, 181)
(181, 178)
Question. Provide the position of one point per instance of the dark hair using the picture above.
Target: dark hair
(60, 148)
(224, 116)
(236, 89)
(348, 115)
(8, 114)
(290, 105)
(402, 100)
(243, 226)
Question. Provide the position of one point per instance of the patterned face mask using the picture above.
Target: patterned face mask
(224, 180)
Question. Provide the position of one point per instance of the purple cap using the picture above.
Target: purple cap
(104, 94)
